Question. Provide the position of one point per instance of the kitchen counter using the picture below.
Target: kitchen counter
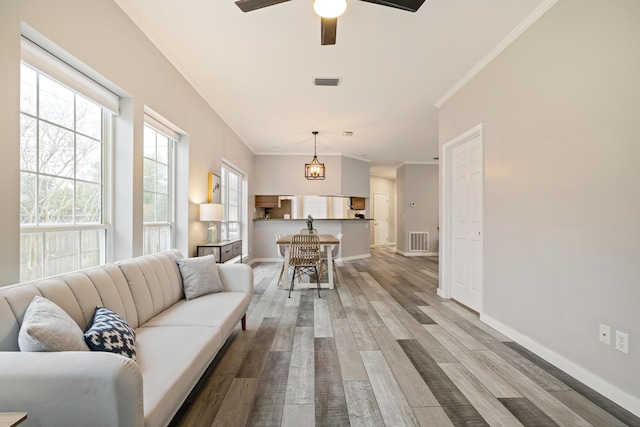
(315, 219)
(355, 242)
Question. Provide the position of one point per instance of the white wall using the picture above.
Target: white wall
(99, 35)
(561, 207)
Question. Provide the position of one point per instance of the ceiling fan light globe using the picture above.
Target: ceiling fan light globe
(329, 8)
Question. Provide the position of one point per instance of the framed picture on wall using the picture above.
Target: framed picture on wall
(214, 188)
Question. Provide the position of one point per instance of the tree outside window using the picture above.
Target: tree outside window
(61, 178)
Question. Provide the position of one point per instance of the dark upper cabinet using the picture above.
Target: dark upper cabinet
(356, 203)
(267, 201)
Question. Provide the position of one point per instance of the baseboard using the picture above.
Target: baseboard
(256, 260)
(383, 245)
(416, 253)
(629, 402)
(351, 258)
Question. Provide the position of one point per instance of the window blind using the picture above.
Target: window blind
(64, 73)
(161, 127)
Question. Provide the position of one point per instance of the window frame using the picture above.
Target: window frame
(161, 129)
(224, 182)
(49, 230)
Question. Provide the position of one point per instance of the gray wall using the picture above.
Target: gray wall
(355, 177)
(284, 175)
(101, 36)
(417, 183)
(561, 234)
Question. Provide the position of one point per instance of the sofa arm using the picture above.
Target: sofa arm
(72, 388)
(236, 277)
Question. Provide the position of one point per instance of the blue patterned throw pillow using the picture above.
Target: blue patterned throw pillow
(110, 332)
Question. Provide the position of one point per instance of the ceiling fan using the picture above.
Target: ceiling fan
(329, 10)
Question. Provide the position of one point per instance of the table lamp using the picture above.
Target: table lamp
(212, 212)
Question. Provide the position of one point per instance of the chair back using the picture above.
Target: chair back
(306, 231)
(304, 250)
(336, 248)
(281, 248)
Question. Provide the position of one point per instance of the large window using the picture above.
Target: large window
(62, 192)
(232, 201)
(158, 190)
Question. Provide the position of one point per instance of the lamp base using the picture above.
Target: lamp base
(212, 233)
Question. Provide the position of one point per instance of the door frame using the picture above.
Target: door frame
(446, 227)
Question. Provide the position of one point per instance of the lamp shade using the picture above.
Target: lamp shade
(211, 212)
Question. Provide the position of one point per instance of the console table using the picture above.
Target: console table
(222, 251)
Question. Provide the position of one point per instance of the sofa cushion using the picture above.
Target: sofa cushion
(47, 327)
(221, 310)
(172, 359)
(110, 332)
(199, 276)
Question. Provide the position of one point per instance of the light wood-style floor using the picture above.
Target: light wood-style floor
(382, 350)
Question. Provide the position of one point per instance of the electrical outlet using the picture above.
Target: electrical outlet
(605, 334)
(622, 342)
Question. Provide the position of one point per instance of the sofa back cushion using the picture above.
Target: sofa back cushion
(155, 283)
(136, 289)
(77, 294)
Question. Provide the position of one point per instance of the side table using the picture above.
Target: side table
(11, 419)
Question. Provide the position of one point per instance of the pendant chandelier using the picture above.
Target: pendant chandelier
(315, 169)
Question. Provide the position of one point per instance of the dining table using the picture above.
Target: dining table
(327, 242)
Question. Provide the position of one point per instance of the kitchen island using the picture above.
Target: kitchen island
(355, 242)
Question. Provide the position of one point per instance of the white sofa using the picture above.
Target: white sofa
(176, 340)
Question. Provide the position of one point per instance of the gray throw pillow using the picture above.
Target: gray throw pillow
(47, 327)
(199, 276)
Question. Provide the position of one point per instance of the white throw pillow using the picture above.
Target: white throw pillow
(47, 327)
(199, 276)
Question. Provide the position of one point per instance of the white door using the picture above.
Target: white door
(381, 219)
(466, 223)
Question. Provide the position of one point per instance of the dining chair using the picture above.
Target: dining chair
(334, 255)
(304, 256)
(281, 250)
(282, 254)
(306, 231)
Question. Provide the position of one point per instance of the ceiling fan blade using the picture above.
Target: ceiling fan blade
(408, 5)
(249, 5)
(328, 27)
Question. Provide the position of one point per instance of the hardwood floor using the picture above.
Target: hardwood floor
(382, 350)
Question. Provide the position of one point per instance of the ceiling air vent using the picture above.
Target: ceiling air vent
(332, 81)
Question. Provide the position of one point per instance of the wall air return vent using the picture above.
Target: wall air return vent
(418, 241)
(327, 81)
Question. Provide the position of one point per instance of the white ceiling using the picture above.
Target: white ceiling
(256, 69)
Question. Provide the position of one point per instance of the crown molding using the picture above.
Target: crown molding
(511, 37)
